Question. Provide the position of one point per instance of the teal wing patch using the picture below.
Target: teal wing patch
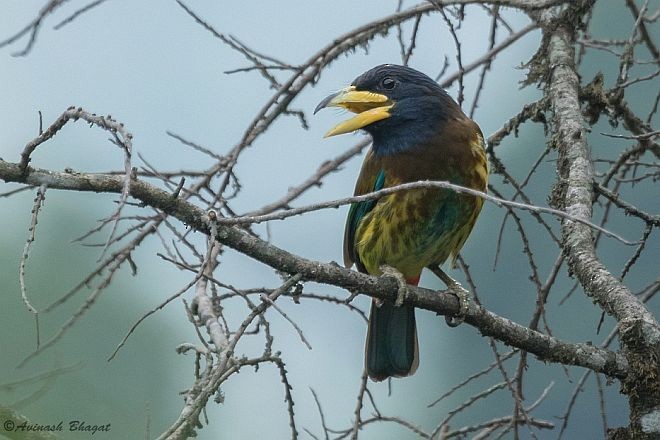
(355, 216)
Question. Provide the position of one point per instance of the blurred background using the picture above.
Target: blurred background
(150, 66)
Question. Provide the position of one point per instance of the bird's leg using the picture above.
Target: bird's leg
(459, 292)
(389, 271)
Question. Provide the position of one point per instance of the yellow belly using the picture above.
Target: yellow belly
(403, 231)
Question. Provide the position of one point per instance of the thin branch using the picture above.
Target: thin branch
(78, 13)
(38, 204)
(281, 215)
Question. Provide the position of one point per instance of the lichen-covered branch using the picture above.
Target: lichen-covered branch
(543, 346)
(640, 333)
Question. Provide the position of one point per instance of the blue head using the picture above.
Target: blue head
(400, 107)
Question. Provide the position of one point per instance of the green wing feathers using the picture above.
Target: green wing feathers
(357, 213)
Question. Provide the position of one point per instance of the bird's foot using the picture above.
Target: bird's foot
(459, 292)
(389, 271)
(463, 305)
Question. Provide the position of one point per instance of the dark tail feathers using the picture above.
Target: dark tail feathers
(391, 342)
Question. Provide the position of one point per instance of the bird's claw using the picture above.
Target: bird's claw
(459, 292)
(463, 304)
(389, 271)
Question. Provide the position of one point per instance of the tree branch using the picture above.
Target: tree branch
(545, 347)
(640, 332)
(576, 169)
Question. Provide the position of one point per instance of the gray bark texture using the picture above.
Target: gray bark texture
(639, 330)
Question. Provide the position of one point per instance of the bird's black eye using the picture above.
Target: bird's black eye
(388, 83)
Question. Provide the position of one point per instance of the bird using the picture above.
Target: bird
(418, 133)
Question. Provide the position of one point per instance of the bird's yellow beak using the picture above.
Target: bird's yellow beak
(369, 106)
